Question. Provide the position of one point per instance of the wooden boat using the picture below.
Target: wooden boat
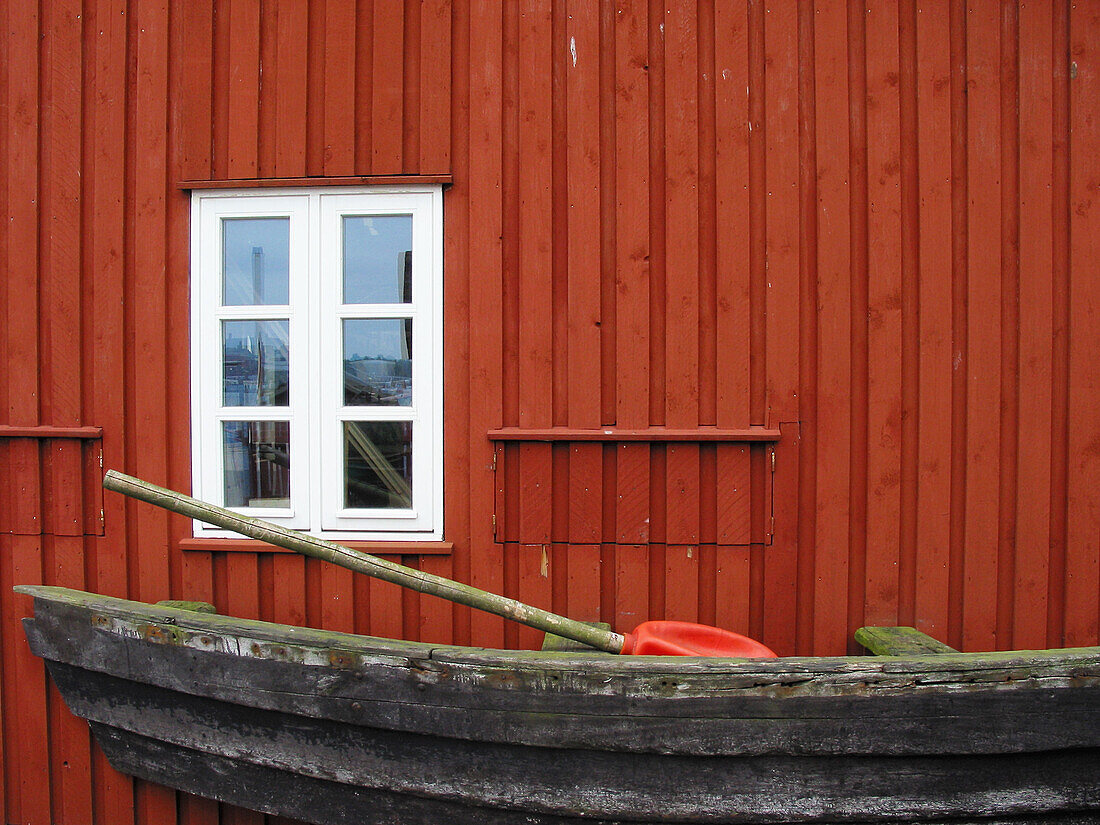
(336, 728)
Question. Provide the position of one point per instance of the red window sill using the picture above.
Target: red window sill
(375, 548)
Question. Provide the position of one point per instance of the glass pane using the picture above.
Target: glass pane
(255, 358)
(377, 367)
(378, 464)
(256, 261)
(378, 259)
(257, 463)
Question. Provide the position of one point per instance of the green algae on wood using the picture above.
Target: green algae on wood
(900, 641)
(194, 607)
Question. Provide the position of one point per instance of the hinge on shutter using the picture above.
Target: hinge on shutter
(494, 525)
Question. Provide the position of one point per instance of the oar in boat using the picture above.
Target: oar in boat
(654, 637)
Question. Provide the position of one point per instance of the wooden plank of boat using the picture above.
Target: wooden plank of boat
(335, 728)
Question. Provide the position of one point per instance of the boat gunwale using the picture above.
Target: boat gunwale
(847, 667)
(666, 705)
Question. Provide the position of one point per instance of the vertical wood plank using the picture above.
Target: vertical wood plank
(1033, 488)
(21, 233)
(315, 82)
(682, 475)
(682, 582)
(734, 518)
(178, 295)
(70, 742)
(485, 279)
(910, 352)
(434, 117)
(436, 621)
(154, 803)
(197, 577)
(631, 586)
(25, 465)
(583, 228)
(535, 587)
(808, 327)
(984, 333)
(858, 265)
(834, 373)
(387, 78)
(244, 89)
(732, 212)
(1083, 535)
(289, 594)
(339, 99)
(460, 473)
(936, 358)
(59, 267)
(242, 585)
(107, 283)
(884, 314)
(337, 599)
(411, 89)
(8, 766)
(533, 496)
(779, 355)
(291, 74)
(31, 726)
(585, 493)
(583, 589)
(1060, 263)
(106, 141)
(731, 597)
(267, 100)
(535, 363)
(194, 106)
(385, 608)
(631, 275)
(632, 504)
(682, 300)
(194, 810)
(1009, 213)
(148, 292)
(681, 229)
(9, 638)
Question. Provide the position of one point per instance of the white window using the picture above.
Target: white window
(316, 326)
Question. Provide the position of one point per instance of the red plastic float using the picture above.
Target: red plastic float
(671, 638)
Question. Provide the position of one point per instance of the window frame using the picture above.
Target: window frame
(315, 403)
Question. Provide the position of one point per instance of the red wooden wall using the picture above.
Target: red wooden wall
(779, 316)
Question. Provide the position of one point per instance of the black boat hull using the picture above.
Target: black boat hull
(340, 729)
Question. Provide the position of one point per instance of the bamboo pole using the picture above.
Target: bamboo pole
(369, 565)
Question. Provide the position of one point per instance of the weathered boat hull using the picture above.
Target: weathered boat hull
(333, 728)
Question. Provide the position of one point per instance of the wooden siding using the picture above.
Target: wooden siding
(869, 227)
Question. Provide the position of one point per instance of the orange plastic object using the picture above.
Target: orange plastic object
(669, 638)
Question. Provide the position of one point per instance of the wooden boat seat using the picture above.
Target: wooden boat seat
(899, 641)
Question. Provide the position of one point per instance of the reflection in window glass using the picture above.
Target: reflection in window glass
(377, 367)
(257, 463)
(378, 259)
(378, 464)
(255, 261)
(255, 359)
